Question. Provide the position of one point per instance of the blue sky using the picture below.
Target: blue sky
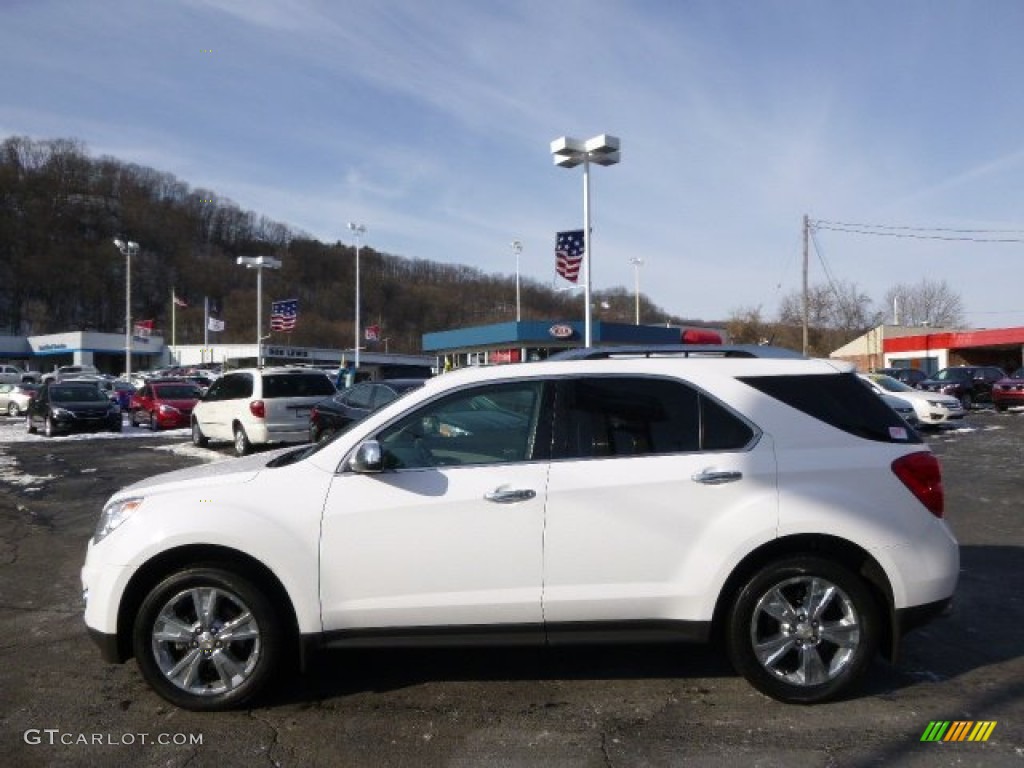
(430, 123)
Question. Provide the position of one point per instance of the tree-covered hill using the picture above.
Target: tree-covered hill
(60, 210)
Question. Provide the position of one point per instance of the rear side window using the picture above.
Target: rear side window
(629, 416)
(297, 385)
(840, 400)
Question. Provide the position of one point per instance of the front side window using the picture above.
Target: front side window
(493, 424)
(634, 416)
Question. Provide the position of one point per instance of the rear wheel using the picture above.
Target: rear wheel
(12, 409)
(242, 445)
(154, 424)
(198, 438)
(208, 639)
(803, 630)
(966, 400)
(48, 428)
(29, 427)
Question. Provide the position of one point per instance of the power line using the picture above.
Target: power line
(919, 233)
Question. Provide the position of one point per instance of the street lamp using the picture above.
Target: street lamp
(637, 262)
(568, 152)
(517, 249)
(127, 248)
(357, 230)
(259, 263)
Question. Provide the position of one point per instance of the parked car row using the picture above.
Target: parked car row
(969, 384)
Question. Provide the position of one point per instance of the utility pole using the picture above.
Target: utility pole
(806, 307)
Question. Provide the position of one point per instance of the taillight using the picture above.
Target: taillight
(921, 473)
(258, 409)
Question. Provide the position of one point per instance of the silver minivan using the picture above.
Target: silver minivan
(256, 406)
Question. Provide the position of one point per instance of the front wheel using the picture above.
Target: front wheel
(154, 424)
(803, 630)
(48, 429)
(966, 401)
(12, 409)
(207, 639)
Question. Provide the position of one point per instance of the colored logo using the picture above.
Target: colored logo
(561, 331)
(958, 730)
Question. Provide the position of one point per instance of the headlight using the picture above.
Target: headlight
(115, 513)
(62, 413)
(168, 409)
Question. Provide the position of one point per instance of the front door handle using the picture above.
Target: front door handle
(714, 477)
(506, 495)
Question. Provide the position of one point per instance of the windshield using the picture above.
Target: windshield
(953, 374)
(890, 384)
(87, 394)
(1018, 374)
(177, 392)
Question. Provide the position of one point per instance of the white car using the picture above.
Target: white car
(770, 502)
(256, 406)
(931, 407)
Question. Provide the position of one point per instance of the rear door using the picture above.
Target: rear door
(652, 484)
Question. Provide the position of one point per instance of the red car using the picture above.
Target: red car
(1009, 392)
(164, 404)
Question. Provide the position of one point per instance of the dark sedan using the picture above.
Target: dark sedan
(64, 407)
(909, 376)
(1009, 392)
(350, 405)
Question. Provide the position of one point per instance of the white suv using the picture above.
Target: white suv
(255, 406)
(774, 505)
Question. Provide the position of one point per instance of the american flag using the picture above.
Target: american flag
(569, 254)
(283, 315)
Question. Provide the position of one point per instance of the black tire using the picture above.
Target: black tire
(242, 445)
(28, 424)
(801, 657)
(966, 400)
(154, 425)
(48, 428)
(1000, 408)
(12, 410)
(178, 639)
(198, 438)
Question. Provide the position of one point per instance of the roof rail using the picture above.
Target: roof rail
(677, 350)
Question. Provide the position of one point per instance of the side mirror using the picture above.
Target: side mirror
(368, 458)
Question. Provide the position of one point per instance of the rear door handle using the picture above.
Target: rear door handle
(714, 477)
(506, 495)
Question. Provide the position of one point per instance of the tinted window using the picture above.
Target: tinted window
(232, 387)
(619, 416)
(840, 400)
(81, 394)
(483, 425)
(297, 385)
(177, 391)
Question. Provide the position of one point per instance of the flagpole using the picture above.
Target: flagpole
(174, 320)
(206, 324)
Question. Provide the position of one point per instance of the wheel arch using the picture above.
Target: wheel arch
(170, 561)
(841, 551)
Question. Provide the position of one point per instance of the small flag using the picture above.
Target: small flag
(372, 333)
(143, 329)
(178, 302)
(284, 314)
(569, 254)
(215, 325)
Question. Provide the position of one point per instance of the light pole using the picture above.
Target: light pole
(127, 248)
(568, 152)
(259, 263)
(517, 249)
(358, 230)
(637, 262)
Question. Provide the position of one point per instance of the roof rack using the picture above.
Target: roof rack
(677, 350)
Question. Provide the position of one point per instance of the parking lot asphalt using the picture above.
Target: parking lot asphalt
(609, 706)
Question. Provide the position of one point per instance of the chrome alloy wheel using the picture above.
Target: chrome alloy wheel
(206, 641)
(805, 631)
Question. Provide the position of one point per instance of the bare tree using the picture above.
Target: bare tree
(929, 302)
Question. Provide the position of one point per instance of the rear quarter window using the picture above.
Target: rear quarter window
(840, 400)
(297, 385)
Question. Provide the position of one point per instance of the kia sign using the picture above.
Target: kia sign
(561, 331)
